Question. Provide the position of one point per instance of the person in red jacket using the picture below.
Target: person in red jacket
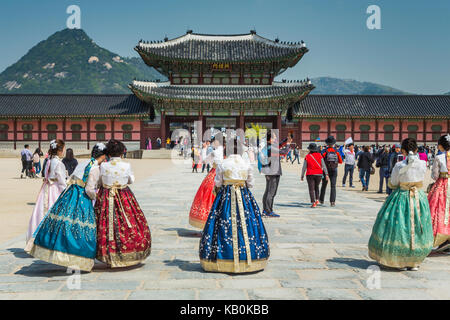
(314, 167)
(332, 159)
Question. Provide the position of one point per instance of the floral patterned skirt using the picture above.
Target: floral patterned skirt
(394, 243)
(438, 198)
(234, 239)
(123, 235)
(203, 201)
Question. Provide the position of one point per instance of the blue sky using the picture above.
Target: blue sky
(411, 52)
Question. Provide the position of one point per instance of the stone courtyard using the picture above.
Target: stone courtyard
(316, 253)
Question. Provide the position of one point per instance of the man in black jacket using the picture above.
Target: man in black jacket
(365, 161)
(383, 164)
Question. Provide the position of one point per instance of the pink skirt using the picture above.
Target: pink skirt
(47, 196)
(440, 215)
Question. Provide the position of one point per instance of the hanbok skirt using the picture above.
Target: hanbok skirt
(439, 200)
(67, 235)
(47, 196)
(123, 235)
(402, 235)
(203, 201)
(234, 239)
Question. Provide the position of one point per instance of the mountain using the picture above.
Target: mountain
(327, 85)
(448, 93)
(69, 61)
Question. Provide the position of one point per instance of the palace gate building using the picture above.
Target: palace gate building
(224, 81)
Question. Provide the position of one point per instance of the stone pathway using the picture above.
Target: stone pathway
(315, 254)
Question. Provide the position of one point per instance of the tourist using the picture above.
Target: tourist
(349, 161)
(37, 160)
(297, 155)
(69, 161)
(204, 154)
(195, 159)
(402, 235)
(204, 198)
(439, 196)
(289, 154)
(365, 162)
(332, 159)
(234, 239)
(422, 154)
(123, 235)
(54, 183)
(68, 234)
(394, 157)
(315, 168)
(158, 143)
(271, 170)
(26, 158)
(383, 163)
(149, 143)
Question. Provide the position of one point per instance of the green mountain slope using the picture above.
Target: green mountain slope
(327, 85)
(71, 62)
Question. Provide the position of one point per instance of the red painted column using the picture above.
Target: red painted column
(241, 121)
(112, 128)
(15, 133)
(279, 122)
(64, 129)
(376, 131)
(300, 133)
(88, 132)
(40, 132)
(424, 132)
(400, 130)
(328, 127)
(163, 129)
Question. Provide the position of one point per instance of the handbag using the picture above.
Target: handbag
(372, 170)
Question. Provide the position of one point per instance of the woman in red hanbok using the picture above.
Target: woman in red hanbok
(439, 196)
(123, 235)
(205, 196)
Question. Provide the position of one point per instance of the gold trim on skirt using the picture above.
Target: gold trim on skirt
(197, 223)
(118, 260)
(62, 258)
(228, 266)
(397, 262)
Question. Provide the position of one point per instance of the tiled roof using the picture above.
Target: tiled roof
(220, 92)
(380, 106)
(229, 48)
(71, 105)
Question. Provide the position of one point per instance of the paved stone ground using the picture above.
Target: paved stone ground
(315, 254)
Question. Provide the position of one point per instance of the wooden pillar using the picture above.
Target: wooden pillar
(201, 128)
(400, 130)
(112, 128)
(64, 129)
(163, 129)
(279, 122)
(376, 131)
(353, 130)
(328, 127)
(88, 132)
(300, 133)
(40, 132)
(241, 124)
(424, 132)
(15, 133)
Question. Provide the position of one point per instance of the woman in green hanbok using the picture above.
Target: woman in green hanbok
(402, 235)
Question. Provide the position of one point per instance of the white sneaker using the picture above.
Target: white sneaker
(402, 269)
(414, 269)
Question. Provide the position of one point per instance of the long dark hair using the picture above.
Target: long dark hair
(69, 154)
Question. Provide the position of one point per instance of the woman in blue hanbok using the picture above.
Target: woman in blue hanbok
(68, 234)
(234, 239)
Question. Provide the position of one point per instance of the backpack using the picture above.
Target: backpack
(331, 159)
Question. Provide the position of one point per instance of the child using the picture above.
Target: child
(402, 235)
(234, 239)
(123, 235)
(315, 167)
(439, 196)
(67, 236)
(54, 183)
